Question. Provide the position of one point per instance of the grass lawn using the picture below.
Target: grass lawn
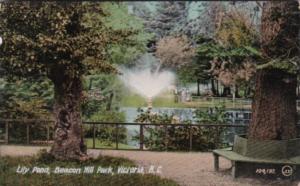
(166, 99)
(100, 144)
(8, 175)
(133, 100)
(163, 100)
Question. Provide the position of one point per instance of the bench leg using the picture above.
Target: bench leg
(234, 169)
(216, 162)
(294, 176)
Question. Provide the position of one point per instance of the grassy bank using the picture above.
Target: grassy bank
(167, 99)
(101, 144)
(9, 165)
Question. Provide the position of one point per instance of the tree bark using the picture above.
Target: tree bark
(217, 88)
(198, 87)
(213, 88)
(274, 106)
(68, 139)
(236, 91)
(110, 100)
(226, 91)
(298, 89)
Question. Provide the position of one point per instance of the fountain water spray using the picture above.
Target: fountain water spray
(145, 80)
(149, 103)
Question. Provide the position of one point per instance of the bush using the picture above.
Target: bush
(178, 137)
(107, 133)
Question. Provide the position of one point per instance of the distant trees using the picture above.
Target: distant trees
(231, 52)
(175, 52)
(120, 19)
(238, 39)
(170, 18)
(223, 52)
(230, 29)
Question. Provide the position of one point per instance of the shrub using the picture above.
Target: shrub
(175, 137)
(107, 133)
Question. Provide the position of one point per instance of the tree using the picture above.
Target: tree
(238, 38)
(231, 52)
(174, 52)
(169, 19)
(274, 106)
(63, 42)
(205, 22)
(119, 19)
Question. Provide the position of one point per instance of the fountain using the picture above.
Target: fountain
(147, 79)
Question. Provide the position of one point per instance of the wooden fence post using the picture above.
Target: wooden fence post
(6, 132)
(166, 137)
(216, 140)
(141, 137)
(191, 137)
(117, 136)
(48, 132)
(27, 133)
(94, 133)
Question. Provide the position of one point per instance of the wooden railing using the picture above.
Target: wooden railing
(48, 126)
(237, 101)
(222, 99)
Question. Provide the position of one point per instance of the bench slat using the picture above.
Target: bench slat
(233, 156)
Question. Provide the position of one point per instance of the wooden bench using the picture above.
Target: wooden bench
(238, 160)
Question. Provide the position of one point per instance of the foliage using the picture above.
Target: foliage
(18, 98)
(231, 74)
(104, 109)
(214, 115)
(235, 30)
(169, 19)
(160, 137)
(199, 66)
(102, 92)
(174, 52)
(291, 65)
(232, 52)
(148, 116)
(202, 23)
(119, 19)
(237, 36)
(66, 39)
(8, 175)
(107, 133)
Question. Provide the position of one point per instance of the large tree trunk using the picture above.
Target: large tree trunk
(274, 106)
(68, 140)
